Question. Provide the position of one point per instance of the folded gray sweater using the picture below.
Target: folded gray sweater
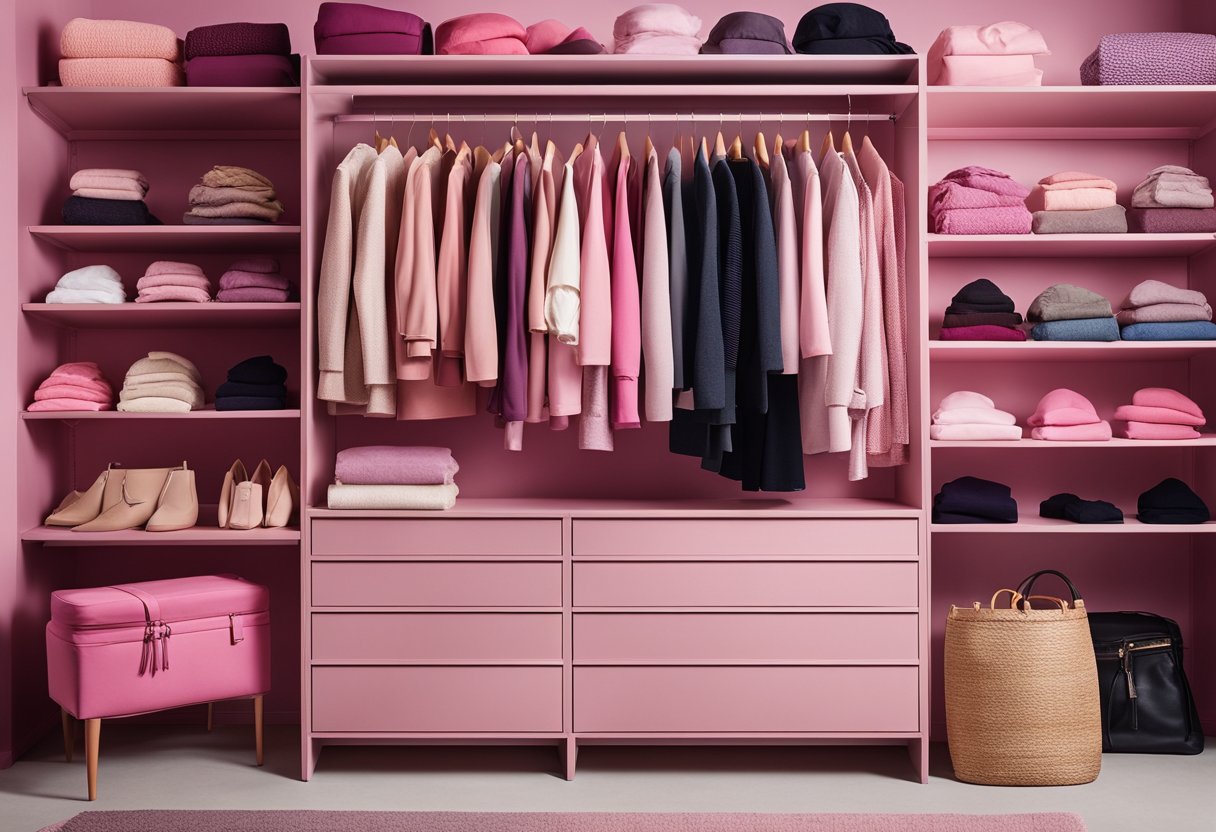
(1112, 220)
(1065, 302)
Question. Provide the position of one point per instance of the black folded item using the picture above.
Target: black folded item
(242, 388)
(84, 210)
(957, 319)
(1172, 502)
(747, 33)
(260, 369)
(191, 219)
(223, 39)
(250, 403)
(980, 295)
(1070, 507)
(974, 500)
(847, 29)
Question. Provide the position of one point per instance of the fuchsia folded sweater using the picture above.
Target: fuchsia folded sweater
(72, 391)
(983, 332)
(987, 179)
(1151, 430)
(1004, 220)
(949, 195)
(1063, 408)
(252, 294)
(486, 33)
(1157, 415)
(392, 465)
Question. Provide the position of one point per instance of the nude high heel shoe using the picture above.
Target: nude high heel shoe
(177, 507)
(236, 475)
(282, 501)
(80, 506)
(262, 475)
(138, 491)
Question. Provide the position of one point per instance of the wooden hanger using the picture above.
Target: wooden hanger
(649, 146)
(574, 154)
(804, 142)
(433, 136)
(379, 142)
(778, 146)
(829, 146)
(719, 145)
(760, 148)
(622, 144)
(846, 143)
(705, 147)
(736, 148)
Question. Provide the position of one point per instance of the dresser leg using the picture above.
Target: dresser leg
(69, 734)
(92, 745)
(568, 751)
(210, 716)
(258, 729)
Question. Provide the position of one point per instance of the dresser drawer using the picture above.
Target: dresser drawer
(438, 536)
(447, 638)
(432, 584)
(423, 699)
(744, 537)
(744, 638)
(746, 699)
(756, 584)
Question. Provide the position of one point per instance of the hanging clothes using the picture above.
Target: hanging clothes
(626, 303)
(788, 261)
(513, 384)
(595, 310)
(657, 358)
(481, 328)
(563, 306)
(546, 186)
(682, 328)
(452, 271)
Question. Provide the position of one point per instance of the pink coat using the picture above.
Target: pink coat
(626, 305)
(417, 298)
(452, 272)
(659, 376)
(480, 340)
(788, 263)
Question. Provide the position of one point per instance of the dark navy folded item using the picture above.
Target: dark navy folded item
(971, 497)
(1172, 502)
(1171, 331)
(1081, 329)
(261, 369)
(242, 388)
(83, 210)
(1071, 507)
(847, 29)
(224, 39)
(250, 403)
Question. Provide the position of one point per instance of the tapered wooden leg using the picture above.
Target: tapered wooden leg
(69, 733)
(258, 734)
(210, 716)
(92, 745)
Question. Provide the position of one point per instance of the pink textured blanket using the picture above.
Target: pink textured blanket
(157, 294)
(988, 179)
(85, 38)
(84, 373)
(1063, 408)
(1149, 430)
(392, 465)
(1004, 220)
(1149, 292)
(948, 195)
(1074, 199)
(119, 72)
(1099, 432)
(1157, 415)
(237, 279)
(153, 281)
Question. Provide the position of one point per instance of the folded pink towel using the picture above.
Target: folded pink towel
(656, 18)
(948, 195)
(988, 179)
(109, 179)
(1165, 397)
(252, 294)
(1099, 432)
(1149, 430)
(1067, 180)
(1063, 407)
(1007, 37)
(262, 265)
(119, 72)
(66, 405)
(72, 391)
(1157, 415)
(1149, 292)
(486, 33)
(988, 71)
(192, 281)
(1164, 313)
(85, 38)
(158, 294)
(392, 465)
(106, 193)
(658, 44)
(1075, 199)
(234, 279)
(982, 332)
(172, 267)
(975, 432)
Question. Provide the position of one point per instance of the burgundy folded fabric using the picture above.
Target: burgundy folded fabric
(264, 265)
(235, 279)
(1172, 220)
(374, 43)
(984, 332)
(253, 294)
(359, 29)
(238, 39)
(391, 465)
(1150, 430)
(241, 71)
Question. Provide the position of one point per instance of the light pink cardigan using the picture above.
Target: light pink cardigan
(659, 368)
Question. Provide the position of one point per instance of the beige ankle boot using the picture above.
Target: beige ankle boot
(177, 507)
(80, 506)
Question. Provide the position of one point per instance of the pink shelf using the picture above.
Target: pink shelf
(1069, 245)
(1033, 524)
(759, 507)
(170, 238)
(1205, 441)
(114, 415)
(197, 536)
(970, 351)
(176, 315)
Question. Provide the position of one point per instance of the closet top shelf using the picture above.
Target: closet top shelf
(726, 508)
(1069, 245)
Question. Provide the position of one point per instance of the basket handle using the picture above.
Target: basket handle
(1013, 600)
(1026, 587)
(1023, 602)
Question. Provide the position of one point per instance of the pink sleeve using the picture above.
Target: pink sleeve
(659, 378)
(787, 266)
(422, 313)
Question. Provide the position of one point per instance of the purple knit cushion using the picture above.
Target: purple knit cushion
(1153, 58)
(238, 39)
(241, 71)
(358, 29)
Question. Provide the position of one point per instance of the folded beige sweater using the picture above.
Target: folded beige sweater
(192, 394)
(153, 404)
(233, 176)
(203, 195)
(165, 362)
(263, 211)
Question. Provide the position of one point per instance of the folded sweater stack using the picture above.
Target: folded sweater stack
(978, 200)
(1173, 200)
(256, 383)
(75, 386)
(1161, 413)
(970, 417)
(657, 29)
(1072, 202)
(254, 280)
(1172, 502)
(163, 382)
(1156, 311)
(974, 500)
(484, 33)
(552, 37)
(980, 311)
(108, 196)
(846, 29)
(166, 280)
(1071, 313)
(240, 55)
(1070, 507)
(390, 477)
(359, 29)
(118, 53)
(747, 33)
(89, 284)
(231, 195)
(997, 55)
(1064, 415)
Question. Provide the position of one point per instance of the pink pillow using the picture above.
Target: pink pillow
(486, 33)
(545, 35)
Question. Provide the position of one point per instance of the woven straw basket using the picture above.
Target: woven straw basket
(1022, 705)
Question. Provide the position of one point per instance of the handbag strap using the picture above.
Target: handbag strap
(156, 631)
(1026, 587)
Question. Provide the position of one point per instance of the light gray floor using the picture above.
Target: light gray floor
(181, 767)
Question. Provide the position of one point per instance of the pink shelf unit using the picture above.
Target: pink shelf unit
(118, 416)
(198, 536)
(154, 315)
(170, 238)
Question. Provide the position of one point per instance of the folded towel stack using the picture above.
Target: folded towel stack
(389, 477)
(973, 500)
(240, 55)
(1071, 313)
(254, 280)
(969, 416)
(256, 383)
(1173, 200)
(75, 386)
(89, 284)
(1156, 311)
(552, 37)
(484, 33)
(846, 29)
(230, 195)
(358, 29)
(108, 196)
(980, 311)
(1071, 507)
(166, 280)
(747, 33)
(163, 382)
(1172, 502)
(1064, 415)
(657, 29)
(997, 55)
(978, 200)
(1072, 202)
(1151, 58)
(1161, 413)
(118, 53)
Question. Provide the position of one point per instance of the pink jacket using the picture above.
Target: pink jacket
(417, 298)
(659, 377)
(452, 272)
(547, 173)
(595, 285)
(481, 340)
(814, 331)
(626, 305)
(788, 265)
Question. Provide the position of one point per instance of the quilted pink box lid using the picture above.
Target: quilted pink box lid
(181, 599)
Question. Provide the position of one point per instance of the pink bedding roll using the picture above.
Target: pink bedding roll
(119, 72)
(85, 38)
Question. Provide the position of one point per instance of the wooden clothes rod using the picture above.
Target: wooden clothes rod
(592, 118)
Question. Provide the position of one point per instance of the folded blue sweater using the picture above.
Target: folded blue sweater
(1171, 331)
(1081, 329)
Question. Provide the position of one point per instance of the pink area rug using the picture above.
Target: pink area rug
(180, 821)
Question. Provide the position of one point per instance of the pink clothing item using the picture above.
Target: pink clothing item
(66, 405)
(452, 272)
(1067, 180)
(72, 391)
(595, 281)
(1007, 220)
(1164, 313)
(1007, 37)
(565, 383)
(480, 338)
(987, 179)
(973, 416)
(107, 193)
(85, 38)
(78, 371)
(983, 332)
(1165, 397)
(252, 294)
(1097, 432)
(485, 33)
(261, 265)
(118, 179)
(1075, 199)
(658, 44)
(545, 35)
(1151, 430)
(657, 29)
(172, 267)
(156, 294)
(975, 432)
(395, 465)
(1157, 415)
(789, 278)
(947, 195)
(417, 299)
(595, 432)
(988, 71)
(548, 173)
(1149, 292)
(423, 400)
(657, 354)
(192, 281)
(120, 72)
(814, 330)
(626, 303)
(1063, 408)
(236, 279)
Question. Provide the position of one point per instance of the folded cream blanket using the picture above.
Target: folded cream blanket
(164, 362)
(269, 211)
(975, 432)
(1070, 199)
(119, 72)
(429, 497)
(233, 176)
(155, 404)
(1097, 432)
(99, 277)
(191, 394)
(85, 38)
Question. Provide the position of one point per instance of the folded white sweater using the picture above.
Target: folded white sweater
(84, 296)
(428, 497)
(89, 284)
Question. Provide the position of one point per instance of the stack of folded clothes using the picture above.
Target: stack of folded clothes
(978, 200)
(108, 196)
(1064, 415)
(1172, 502)
(747, 33)
(254, 280)
(1072, 202)
(1156, 311)
(980, 311)
(968, 416)
(231, 195)
(164, 382)
(256, 383)
(75, 386)
(484, 33)
(846, 29)
(89, 284)
(118, 53)
(240, 55)
(657, 29)
(998, 55)
(1161, 413)
(1071, 313)
(1151, 58)
(358, 29)
(1070, 507)
(166, 280)
(552, 37)
(1173, 200)
(389, 477)
(973, 500)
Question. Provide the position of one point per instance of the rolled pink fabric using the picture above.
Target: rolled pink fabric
(1149, 430)
(393, 465)
(158, 294)
(1165, 397)
(85, 38)
(172, 267)
(983, 332)
(235, 279)
(486, 33)
(262, 265)
(1099, 432)
(120, 72)
(252, 294)
(1063, 407)
(1157, 415)
(72, 391)
(192, 281)
(64, 405)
